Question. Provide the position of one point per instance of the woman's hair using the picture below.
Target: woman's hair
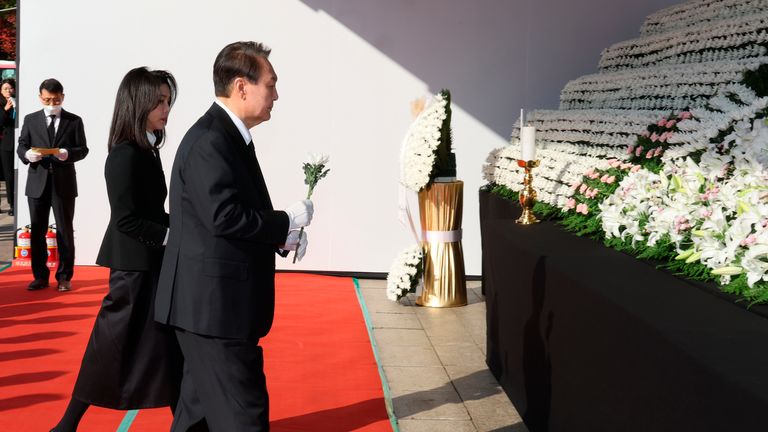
(139, 93)
(10, 81)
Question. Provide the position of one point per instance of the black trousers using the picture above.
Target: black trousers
(6, 165)
(63, 214)
(223, 387)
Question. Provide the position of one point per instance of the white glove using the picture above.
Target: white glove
(293, 242)
(300, 214)
(62, 155)
(33, 156)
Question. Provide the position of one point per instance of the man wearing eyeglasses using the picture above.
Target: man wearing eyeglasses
(51, 141)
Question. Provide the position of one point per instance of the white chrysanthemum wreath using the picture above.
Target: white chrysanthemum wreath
(422, 141)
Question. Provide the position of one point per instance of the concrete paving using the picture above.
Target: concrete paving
(434, 362)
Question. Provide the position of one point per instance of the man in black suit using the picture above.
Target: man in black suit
(51, 180)
(218, 276)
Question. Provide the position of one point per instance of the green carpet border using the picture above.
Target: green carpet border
(374, 347)
(125, 425)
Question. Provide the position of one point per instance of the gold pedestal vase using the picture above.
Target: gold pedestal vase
(440, 209)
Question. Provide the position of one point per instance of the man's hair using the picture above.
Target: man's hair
(52, 85)
(238, 59)
(137, 95)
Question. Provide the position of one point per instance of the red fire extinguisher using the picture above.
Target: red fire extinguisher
(23, 249)
(53, 250)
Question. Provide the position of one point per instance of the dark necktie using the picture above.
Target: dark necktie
(52, 129)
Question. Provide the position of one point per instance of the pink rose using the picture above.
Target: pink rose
(663, 137)
(649, 154)
(582, 208)
(635, 168)
(610, 179)
(671, 124)
(646, 134)
(658, 151)
(575, 185)
(662, 122)
(604, 178)
(639, 151)
(630, 149)
(684, 115)
(654, 137)
(594, 175)
(582, 188)
(589, 172)
(570, 204)
(626, 165)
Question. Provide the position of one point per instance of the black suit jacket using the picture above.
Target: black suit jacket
(138, 221)
(7, 127)
(218, 273)
(70, 135)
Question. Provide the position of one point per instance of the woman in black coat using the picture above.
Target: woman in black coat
(132, 362)
(7, 142)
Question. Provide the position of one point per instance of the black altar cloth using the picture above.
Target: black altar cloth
(585, 338)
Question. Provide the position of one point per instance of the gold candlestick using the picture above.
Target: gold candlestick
(528, 194)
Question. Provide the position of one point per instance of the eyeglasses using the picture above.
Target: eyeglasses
(54, 100)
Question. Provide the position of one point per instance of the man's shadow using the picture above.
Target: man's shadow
(342, 419)
(475, 386)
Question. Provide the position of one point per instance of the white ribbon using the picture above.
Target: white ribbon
(442, 236)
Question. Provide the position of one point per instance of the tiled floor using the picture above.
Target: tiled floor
(434, 361)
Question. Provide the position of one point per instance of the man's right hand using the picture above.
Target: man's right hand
(300, 214)
(33, 156)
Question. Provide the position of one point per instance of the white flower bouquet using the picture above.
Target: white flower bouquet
(405, 274)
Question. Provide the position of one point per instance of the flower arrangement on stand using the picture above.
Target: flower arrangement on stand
(428, 167)
(664, 153)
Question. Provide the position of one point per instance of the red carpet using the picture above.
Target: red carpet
(320, 368)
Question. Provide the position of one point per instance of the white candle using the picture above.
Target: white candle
(521, 121)
(528, 142)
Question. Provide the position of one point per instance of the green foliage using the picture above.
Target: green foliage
(738, 286)
(313, 173)
(445, 158)
(583, 225)
(757, 80)
(694, 271)
(663, 250)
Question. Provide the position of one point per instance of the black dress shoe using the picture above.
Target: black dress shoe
(37, 284)
(65, 286)
(10, 212)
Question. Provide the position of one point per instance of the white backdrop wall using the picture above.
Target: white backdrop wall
(347, 72)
